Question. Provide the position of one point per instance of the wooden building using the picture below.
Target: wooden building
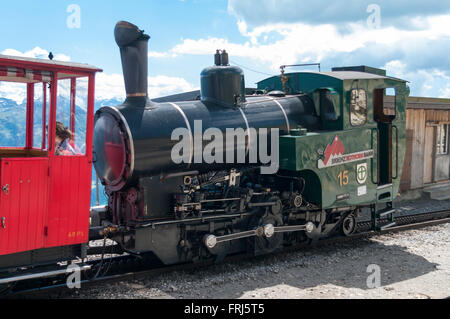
(427, 158)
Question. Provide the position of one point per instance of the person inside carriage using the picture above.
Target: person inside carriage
(64, 141)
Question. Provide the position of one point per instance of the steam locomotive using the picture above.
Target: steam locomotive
(336, 147)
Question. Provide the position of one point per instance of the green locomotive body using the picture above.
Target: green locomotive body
(365, 137)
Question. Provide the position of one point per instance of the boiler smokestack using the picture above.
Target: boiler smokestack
(133, 44)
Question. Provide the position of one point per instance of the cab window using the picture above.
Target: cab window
(384, 105)
(358, 107)
(389, 105)
(328, 101)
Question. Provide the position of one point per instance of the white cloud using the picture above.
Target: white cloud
(445, 93)
(111, 86)
(13, 91)
(36, 53)
(396, 66)
(17, 91)
(162, 85)
(108, 86)
(242, 26)
(431, 83)
(418, 54)
(262, 12)
(154, 54)
(302, 42)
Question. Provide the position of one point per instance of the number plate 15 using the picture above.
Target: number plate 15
(343, 178)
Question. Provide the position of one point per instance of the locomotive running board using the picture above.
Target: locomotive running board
(40, 275)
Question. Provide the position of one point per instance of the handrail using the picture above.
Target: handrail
(303, 64)
(396, 152)
(376, 156)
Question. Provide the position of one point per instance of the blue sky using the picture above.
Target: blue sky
(409, 38)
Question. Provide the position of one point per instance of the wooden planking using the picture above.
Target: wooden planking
(57, 207)
(25, 205)
(428, 155)
(68, 220)
(41, 202)
(406, 175)
(416, 120)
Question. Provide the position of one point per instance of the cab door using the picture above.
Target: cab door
(23, 204)
(384, 113)
(70, 174)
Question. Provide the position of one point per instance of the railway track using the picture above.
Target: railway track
(123, 268)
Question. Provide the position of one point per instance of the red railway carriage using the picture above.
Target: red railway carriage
(45, 197)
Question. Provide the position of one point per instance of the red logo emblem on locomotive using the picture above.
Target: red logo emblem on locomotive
(334, 154)
(334, 149)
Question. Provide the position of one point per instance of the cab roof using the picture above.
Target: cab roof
(346, 75)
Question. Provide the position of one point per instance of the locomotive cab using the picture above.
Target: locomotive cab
(360, 149)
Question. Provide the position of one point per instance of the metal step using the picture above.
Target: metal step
(377, 215)
(388, 226)
(385, 186)
(386, 211)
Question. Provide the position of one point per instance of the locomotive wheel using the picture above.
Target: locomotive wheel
(349, 225)
(263, 245)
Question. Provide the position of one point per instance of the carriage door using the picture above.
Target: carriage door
(24, 177)
(70, 170)
(23, 203)
(384, 113)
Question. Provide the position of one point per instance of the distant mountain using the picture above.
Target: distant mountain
(12, 123)
(13, 126)
(13, 120)
(110, 102)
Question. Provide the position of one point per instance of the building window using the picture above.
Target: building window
(442, 139)
(358, 107)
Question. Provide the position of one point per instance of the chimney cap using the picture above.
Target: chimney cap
(127, 33)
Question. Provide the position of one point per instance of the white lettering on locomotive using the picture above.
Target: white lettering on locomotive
(241, 146)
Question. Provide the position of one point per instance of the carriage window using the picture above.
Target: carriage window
(358, 107)
(13, 110)
(39, 133)
(71, 126)
(442, 139)
(81, 114)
